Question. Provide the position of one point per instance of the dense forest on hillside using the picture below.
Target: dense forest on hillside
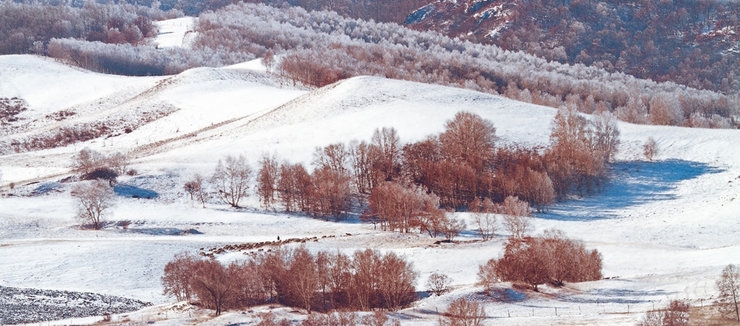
(694, 43)
(318, 48)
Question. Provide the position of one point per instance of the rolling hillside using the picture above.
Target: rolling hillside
(665, 228)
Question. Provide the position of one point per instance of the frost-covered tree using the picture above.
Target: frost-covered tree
(487, 274)
(231, 179)
(94, 197)
(516, 217)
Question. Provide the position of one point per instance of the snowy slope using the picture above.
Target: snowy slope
(665, 228)
(178, 32)
(48, 86)
(184, 105)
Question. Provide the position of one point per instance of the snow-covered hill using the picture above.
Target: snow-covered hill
(665, 228)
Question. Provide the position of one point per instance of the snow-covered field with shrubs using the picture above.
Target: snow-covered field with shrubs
(665, 228)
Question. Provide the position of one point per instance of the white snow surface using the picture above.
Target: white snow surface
(665, 228)
(178, 32)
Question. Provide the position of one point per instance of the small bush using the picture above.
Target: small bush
(101, 174)
(676, 314)
(438, 283)
(650, 149)
(551, 258)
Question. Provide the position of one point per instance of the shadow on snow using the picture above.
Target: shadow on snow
(620, 296)
(631, 183)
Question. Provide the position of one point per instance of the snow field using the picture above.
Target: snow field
(665, 229)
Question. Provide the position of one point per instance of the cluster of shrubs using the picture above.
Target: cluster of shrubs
(94, 165)
(550, 258)
(118, 123)
(336, 318)
(10, 108)
(676, 314)
(298, 278)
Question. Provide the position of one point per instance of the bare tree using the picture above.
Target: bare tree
(231, 179)
(606, 138)
(677, 313)
(331, 193)
(463, 312)
(395, 282)
(361, 166)
(340, 279)
(333, 157)
(487, 274)
(468, 139)
(287, 186)
(365, 270)
(118, 162)
(580, 151)
(268, 60)
(381, 281)
(451, 227)
(385, 154)
(303, 279)
(176, 279)
(516, 217)
(213, 284)
(729, 292)
(340, 318)
(295, 278)
(195, 188)
(438, 283)
(93, 198)
(87, 160)
(650, 149)
(300, 191)
(485, 220)
(267, 179)
(523, 262)
(568, 259)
